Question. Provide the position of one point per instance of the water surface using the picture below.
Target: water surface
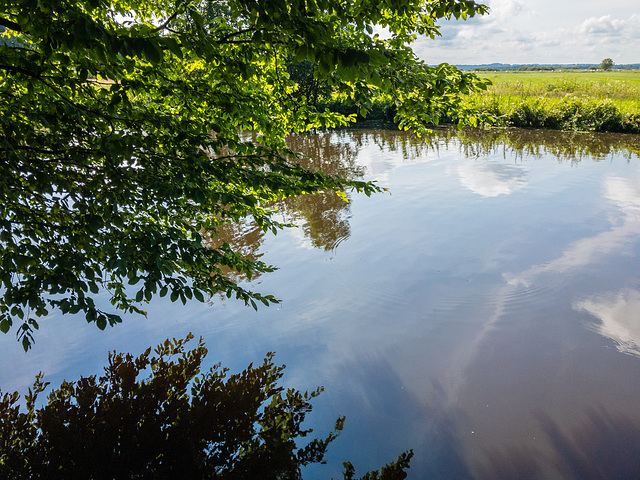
(485, 311)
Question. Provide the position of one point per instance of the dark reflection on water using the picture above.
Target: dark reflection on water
(485, 312)
(324, 216)
(565, 146)
(605, 446)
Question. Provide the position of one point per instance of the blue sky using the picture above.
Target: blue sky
(540, 31)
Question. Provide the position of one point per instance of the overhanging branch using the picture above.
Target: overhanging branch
(10, 25)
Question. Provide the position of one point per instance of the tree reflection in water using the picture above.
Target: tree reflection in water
(566, 146)
(324, 217)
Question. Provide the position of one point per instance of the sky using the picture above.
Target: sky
(540, 31)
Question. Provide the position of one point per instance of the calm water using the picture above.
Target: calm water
(484, 312)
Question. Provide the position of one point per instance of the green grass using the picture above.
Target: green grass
(631, 77)
(565, 100)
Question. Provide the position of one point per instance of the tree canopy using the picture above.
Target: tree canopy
(124, 144)
(606, 64)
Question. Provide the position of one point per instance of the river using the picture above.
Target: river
(484, 311)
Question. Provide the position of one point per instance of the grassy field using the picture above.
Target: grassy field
(630, 77)
(564, 100)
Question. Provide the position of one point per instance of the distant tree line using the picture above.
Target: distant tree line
(537, 68)
(606, 64)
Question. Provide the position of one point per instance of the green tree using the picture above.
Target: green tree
(309, 88)
(123, 146)
(606, 64)
(156, 416)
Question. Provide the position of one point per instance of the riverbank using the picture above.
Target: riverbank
(569, 100)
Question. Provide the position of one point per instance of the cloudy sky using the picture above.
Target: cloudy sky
(540, 31)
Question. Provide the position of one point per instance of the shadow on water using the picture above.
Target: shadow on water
(605, 446)
(383, 409)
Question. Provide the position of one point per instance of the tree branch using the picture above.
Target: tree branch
(14, 69)
(226, 38)
(166, 22)
(10, 25)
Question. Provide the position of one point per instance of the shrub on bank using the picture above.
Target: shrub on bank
(568, 113)
(564, 105)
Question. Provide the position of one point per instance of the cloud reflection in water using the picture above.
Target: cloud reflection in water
(619, 315)
(490, 179)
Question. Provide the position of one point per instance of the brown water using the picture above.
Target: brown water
(484, 312)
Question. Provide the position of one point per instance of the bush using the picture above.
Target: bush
(528, 115)
(605, 117)
(588, 115)
(631, 123)
(176, 423)
(570, 113)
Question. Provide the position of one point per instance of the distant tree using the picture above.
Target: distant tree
(606, 64)
(309, 88)
(176, 423)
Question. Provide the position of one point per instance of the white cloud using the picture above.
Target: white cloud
(599, 25)
(606, 25)
(547, 32)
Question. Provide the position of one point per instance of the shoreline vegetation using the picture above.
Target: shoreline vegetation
(569, 100)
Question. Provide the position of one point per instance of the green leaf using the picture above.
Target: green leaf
(151, 51)
(173, 46)
(5, 325)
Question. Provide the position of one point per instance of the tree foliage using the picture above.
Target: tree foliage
(175, 422)
(122, 140)
(309, 88)
(606, 64)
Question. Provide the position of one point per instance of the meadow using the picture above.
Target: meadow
(562, 100)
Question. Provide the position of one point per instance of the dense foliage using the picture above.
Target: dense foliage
(158, 417)
(122, 135)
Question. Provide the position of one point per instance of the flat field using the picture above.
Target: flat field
(631, 77)
(622, 87)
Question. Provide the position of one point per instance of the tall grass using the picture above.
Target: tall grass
(612, 90)
(562, 104)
